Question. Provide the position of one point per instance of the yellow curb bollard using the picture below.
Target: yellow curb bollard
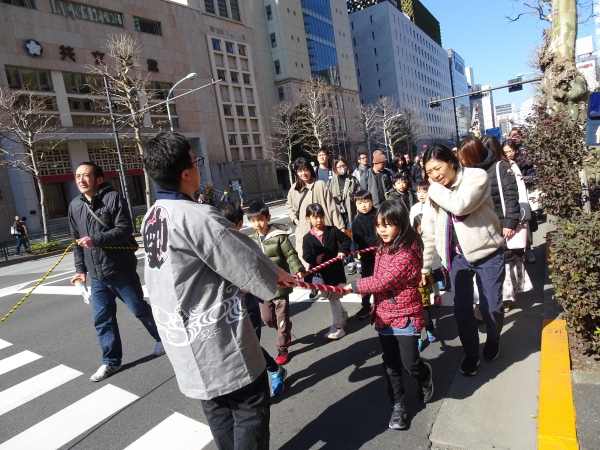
(556, 423)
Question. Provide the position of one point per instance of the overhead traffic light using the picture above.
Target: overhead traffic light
(434, 102)
(516, 87)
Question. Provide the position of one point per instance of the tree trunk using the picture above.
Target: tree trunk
(44, 210)
(563, 85)
(147, 181)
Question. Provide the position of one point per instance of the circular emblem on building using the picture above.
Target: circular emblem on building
(33, 47)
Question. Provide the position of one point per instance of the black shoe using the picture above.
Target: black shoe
(313, 293)
(398, 419)
(491, 350)
(469, 365)
(365, 311)
(425, 392)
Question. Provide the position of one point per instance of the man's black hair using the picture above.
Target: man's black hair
(232, 211)
(363, 195)
(257, 209)
(166, 155)
(96, 169)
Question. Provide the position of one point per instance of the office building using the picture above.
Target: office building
(460, 87)
(46, 44)
(397, 58)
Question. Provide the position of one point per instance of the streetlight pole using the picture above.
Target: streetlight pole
(189, 76)
(387, 152)
(119, 154)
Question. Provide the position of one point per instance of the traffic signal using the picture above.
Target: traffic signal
(516, 87)
(434, 103)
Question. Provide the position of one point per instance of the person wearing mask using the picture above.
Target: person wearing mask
(343, 186)
(377, 180)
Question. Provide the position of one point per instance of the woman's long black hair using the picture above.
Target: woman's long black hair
(395, 213)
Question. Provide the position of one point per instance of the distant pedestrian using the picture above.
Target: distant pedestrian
(363, 164)
(19, 234)
(99, 218)
(225, 197)
(398, 310)
(377, 180)
(241, 195)
(26, 234)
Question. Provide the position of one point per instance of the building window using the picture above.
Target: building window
(280, 93)
(24, 3)
(235, 10)
(216, 44)
(277, 67)
(234, 77)
(273, 40)
(375, 50)
(84, 12)
(242, 50)
(209, 5)
(256, 139)
(239, 110)
(246, 78)
(81, 83)
(244, 138)
(252, 111)
(229, 47)
(269, 12)
(147, 26)
(221, 74)
(31, 79)
(232, 139)
(227, 110)
(222, 4)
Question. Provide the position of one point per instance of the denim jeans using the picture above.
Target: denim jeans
(20, 242)
(128, 288)
(240, 420)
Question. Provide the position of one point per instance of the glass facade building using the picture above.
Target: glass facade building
(320, 40)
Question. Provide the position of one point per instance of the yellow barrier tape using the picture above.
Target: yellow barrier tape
(50, 271)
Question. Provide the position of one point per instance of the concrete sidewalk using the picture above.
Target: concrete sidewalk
(498, 407)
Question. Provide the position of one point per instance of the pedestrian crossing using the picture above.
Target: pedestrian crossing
(60, 428)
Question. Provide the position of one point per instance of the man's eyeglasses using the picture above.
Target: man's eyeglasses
(362, 157)
(199, 161)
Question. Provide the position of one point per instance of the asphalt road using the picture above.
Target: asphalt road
(335, 397)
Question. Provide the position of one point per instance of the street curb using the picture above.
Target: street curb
(556, 416)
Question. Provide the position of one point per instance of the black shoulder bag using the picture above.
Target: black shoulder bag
(131, 242)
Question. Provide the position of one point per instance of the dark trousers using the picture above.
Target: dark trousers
(367, 268)
(128, 288)
(401, 352)
(240, 420)
(489, 275)
(276, 314)
(254, 315)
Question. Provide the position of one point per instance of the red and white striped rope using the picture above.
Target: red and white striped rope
(314, 287)
(337, 258)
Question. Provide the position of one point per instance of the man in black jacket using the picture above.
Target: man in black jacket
(99, 219)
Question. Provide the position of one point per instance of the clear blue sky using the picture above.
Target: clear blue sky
(494, 47)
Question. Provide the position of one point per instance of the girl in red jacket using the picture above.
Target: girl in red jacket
(398, 310)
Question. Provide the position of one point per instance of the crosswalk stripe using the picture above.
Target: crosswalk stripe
(176, 431)
(34, 387)
(16, 361)
(4, 344)
(70, 422)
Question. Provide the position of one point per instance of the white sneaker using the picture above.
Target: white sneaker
(104, 372)
(335, 333)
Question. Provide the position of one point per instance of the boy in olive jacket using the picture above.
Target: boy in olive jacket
(274, 241)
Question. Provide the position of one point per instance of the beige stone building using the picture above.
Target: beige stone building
(46, 44)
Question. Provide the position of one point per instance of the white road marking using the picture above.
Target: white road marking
(4, 344)
(16, 361)
(12, 289)
(34, 387)
(176, 431)
(70, 422)
(54, 290)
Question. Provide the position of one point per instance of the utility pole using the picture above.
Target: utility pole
(453, 99)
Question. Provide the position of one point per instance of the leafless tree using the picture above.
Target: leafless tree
(389, 112)
(286, 134)
(408, 128)
(30, 129)
(316, 114)
(127, 87)
(368, 120)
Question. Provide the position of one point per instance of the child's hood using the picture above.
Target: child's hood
(277, 229)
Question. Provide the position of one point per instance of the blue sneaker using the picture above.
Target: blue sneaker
(431, 336)
(277, 386)
(420, 345)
